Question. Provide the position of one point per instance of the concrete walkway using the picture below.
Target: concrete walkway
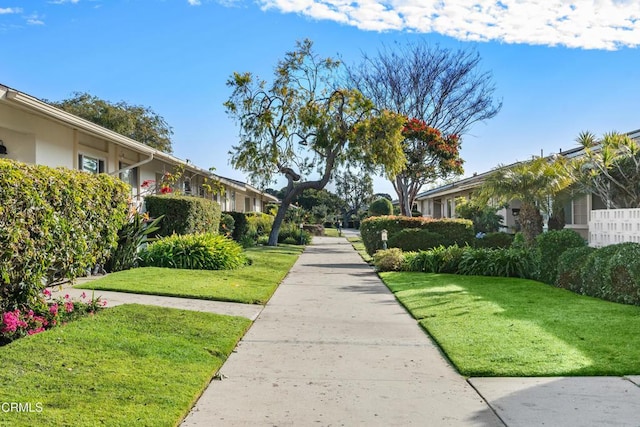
(334, 348)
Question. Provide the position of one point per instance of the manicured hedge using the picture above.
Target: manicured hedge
(415, 239)
(550, 246)
(184, 214)
(54, 224)
(570, 265)
(454, 231)
(613, 273)
(240, 225)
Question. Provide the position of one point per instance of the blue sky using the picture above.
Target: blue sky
(560, 66)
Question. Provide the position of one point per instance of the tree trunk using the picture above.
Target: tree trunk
(531, 222)
(402, 189)
(277, 221)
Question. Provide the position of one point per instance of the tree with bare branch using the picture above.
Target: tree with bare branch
(442, 88)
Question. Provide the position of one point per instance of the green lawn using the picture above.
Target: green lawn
(331, 232)
(490, 326)
(130, 365)
(253, 284)
(357, 244)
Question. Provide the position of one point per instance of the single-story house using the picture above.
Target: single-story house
(440, 202)
(33, 131)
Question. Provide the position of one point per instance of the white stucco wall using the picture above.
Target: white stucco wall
(611, 226)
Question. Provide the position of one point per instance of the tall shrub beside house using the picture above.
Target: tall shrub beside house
(54, 224)
(184, 214)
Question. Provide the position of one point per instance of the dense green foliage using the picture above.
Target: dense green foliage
(437, 260)
(494, 240)
(205, 251)
(258, 224)
(550, 246)
(291, 234)
(227, 225)
(184, 214)
(380, 207)
(570, 265)
(454, 231)
(54, 224)
(389, 260)
(613, 273)
(139, 123)
(240, 225)
(415, 239)
(132, 237)
(484, 217)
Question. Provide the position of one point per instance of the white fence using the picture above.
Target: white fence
(611, 226)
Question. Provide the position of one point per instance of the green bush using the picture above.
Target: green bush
(227, 225)
(570, 265)
(204, 251)
(415, 239)
(454, 231)
(290, 233)
(132, 237)
(259, 224)
(497, 262)
(184, 214)
(437, 260)
(54, 225)
(493, 240)
(613, 273)
(380, 207)
(550, 246)
(240, 225)
(389, 259)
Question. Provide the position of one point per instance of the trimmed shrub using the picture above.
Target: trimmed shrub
(415, 239)
(380, 207)
(613, 273)
(184, 214)
(454, 231)
(227, 225)
(570, 265)
(493, 240)
(240, 225)
(54, 225)
(389, 259)
(204, 251)
(550, 246)
(291, 234)
(258, 224)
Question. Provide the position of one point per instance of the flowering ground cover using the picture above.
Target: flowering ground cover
(124, 366)
(497, 326)
(252, 284)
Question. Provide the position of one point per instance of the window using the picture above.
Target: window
(90, 164)
(130, 176)
(580, 211)
(247, 204)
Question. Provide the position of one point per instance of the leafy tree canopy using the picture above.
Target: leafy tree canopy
(302, 125)
(139, 123)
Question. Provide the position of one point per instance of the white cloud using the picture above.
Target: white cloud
(34, 20)
(9, 10)
(63, 1)
(588, 24)
(194, 2)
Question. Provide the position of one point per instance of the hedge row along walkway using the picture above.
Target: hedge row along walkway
(333, 347)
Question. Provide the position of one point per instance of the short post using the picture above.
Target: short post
(384, 236)
(301, 228)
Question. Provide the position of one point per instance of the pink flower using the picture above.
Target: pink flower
(53, 309)
(46, 292)
(10, 320)
(68, 306)
(104, 303)
(35, 331)
(67, 297)
(83, 296)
